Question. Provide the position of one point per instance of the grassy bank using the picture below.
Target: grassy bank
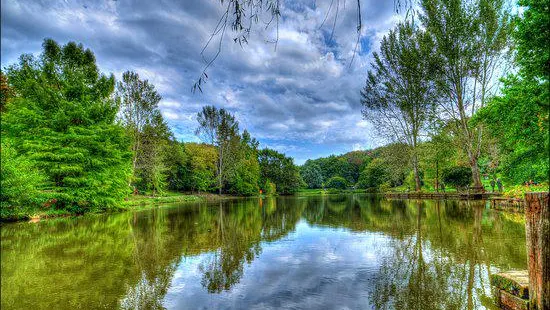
(322, 192)
(134, 202)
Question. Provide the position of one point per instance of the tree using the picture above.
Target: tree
(202, 165)
(6, 91)
(337, 183)
(470, 38)
(177, 163)
(457, 176)
(218, 127)
(311, 174)
(280, 170)
(150, 168)
(399, 96)
(244, 171)
(138, 102)
(522, 132)
(63, 120)
(373, 176)
(20, 182)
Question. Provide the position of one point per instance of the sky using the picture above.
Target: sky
(300, 97)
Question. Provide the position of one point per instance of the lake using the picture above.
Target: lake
(320, 252)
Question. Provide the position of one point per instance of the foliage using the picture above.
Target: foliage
(337, 183)
(470, 38)
(374, 175)
(348, 166)
(6, 91)
(522, 132)
(399, 95)
(202, 161)
(311, 174)
(457, 176)
(518, 191)
(141, 118)
(244, 172)
(279, 169)
(63, 121)
(269, 188)
(19, 182)
(219, 128)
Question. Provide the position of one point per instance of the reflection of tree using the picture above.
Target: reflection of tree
(438, 251)
(239, 231)
(238, 243)
(405, 280)
(436, 267)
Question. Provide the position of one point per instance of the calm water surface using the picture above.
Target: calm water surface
(335, 252)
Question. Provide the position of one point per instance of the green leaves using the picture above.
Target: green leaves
(62, 122)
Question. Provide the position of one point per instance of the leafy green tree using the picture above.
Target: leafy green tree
(151, 170)
(20, 182)
(457, 176)
(311, 174)
(202, 166)
(279, 169)
(337, 183)
(218, 127)
(470, 38)
(143, 122)
(244, 172)
(399, 95)
(177, 164)
(374, 175)
(6, 91)
(522, 131)
(63, 120)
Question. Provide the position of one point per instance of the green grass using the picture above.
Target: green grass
(168, 197)
(322, 192)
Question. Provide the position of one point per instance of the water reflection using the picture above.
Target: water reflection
(351, 251)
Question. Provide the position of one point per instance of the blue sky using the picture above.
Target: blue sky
(301, 99)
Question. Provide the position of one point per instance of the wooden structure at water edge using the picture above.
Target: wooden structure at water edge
(454, 195)
(529, 290)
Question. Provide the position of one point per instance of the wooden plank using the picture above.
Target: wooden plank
(537, 226)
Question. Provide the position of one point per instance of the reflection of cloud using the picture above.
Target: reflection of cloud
(304, 94)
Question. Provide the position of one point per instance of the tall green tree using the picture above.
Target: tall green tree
(63, 120)
(218, 127)
(399, 95)
(311, 174)
(150, 168)
(139, 114)
(280, 170)
(522, 131)
(470, 39)
(244, 170)
(202, 165)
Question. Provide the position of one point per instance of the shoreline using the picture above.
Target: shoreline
(131, 203)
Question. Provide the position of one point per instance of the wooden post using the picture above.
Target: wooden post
(537, 228)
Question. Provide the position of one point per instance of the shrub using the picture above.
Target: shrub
(458, 176)
(337, 183)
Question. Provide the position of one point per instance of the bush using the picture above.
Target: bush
(337, 183)
(373, 176)
(458, 176)
(269, 188)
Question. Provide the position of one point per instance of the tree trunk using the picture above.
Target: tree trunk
(437, 176)
(416, 174)
(476, 174)
(537, 228)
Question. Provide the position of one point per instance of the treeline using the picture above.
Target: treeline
(75, 140)
(433, 91)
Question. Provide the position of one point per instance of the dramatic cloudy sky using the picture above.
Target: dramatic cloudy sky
(301, 99)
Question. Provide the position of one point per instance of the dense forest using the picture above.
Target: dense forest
(431, 91)
(76, 140)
